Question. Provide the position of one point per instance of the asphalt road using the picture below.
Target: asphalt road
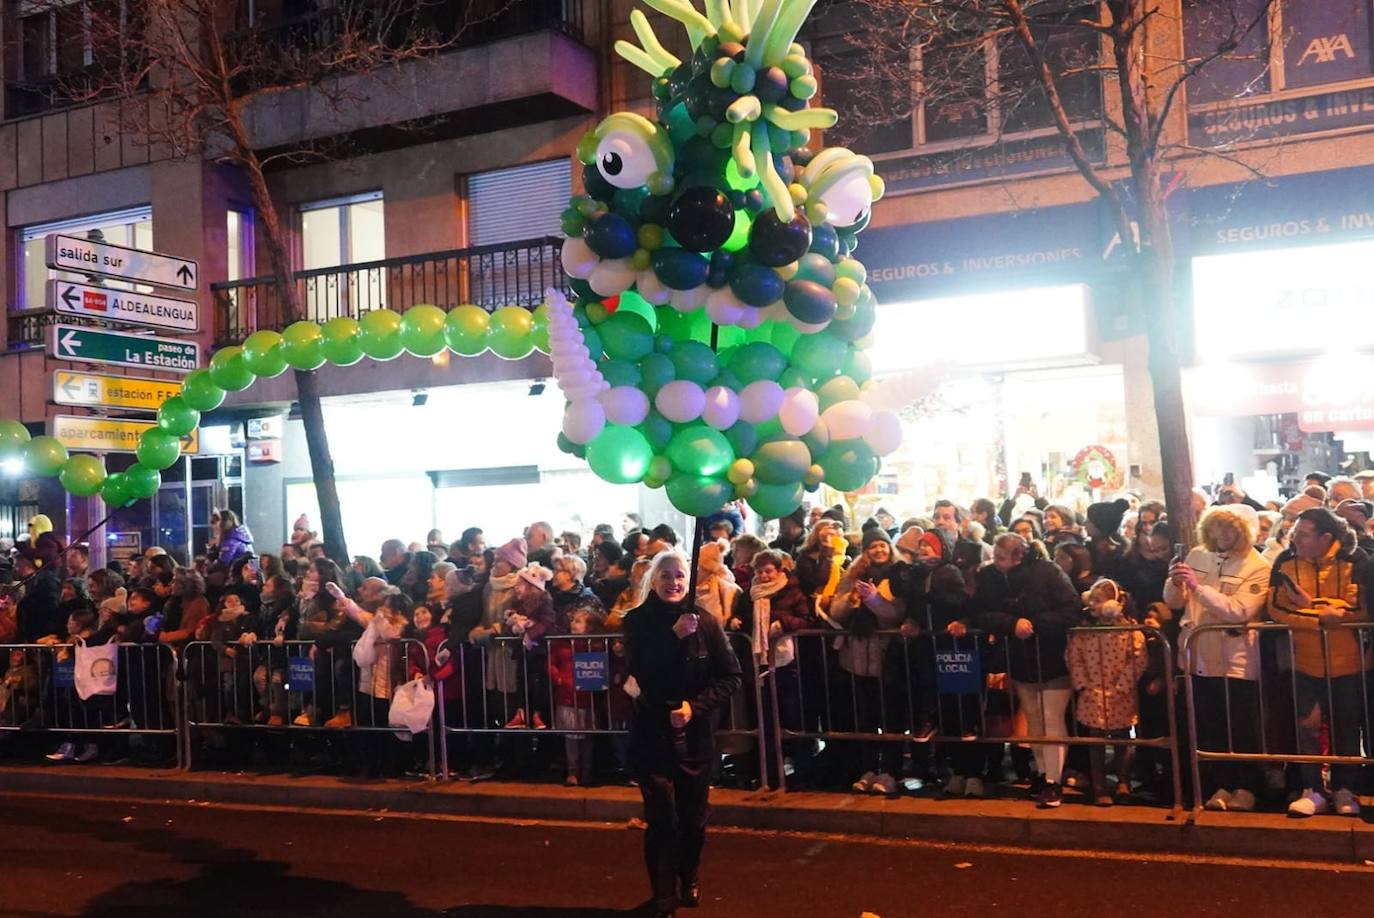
(100, 857)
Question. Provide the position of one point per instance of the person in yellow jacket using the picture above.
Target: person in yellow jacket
(1314, 590)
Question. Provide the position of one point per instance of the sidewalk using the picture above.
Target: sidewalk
(1004, 822)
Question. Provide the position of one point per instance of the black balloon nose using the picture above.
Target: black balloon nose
(701, 219)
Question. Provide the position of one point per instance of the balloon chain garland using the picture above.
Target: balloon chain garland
(511, 332)
(718, 215)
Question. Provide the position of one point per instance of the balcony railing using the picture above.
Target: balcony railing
(509, 274)
(276, 49)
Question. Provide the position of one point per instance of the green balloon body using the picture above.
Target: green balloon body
(422, 330)
(620, 373)
(839, 389)
(341, 341)
(592, 339)
(695, 361)
(228, 370)
(656, 371)
(698, 495)
(379, 334)
(859, 366)
(143, 482)
(848, 464)
(626, 336)
(82, 475)
(793, 377)
(757, 360)
(262, 353)
(631, 303)
(658, 430)
(115, 491)
(13, 437)
(774, 501)
(743, 437)
(45, 456)
(620, 455)
(782, 461)
(158, 449)
(510, 333)
(539, 330)
(176, 417)
(819, 354)
(818, 439)
(466, 330)
(302, 344)
(785, 337)
(198, 391)
(700, 450)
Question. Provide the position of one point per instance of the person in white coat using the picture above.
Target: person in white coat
(1223, 581)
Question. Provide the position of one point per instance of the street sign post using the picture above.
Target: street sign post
(90, 345)
(109, 435)
(163, 312)
(95, 390)
(82, 256)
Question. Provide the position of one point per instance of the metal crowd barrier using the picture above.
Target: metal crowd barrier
(39, 693)
(294, 687)
(945, 682)
(500, 677)
(1276, 739)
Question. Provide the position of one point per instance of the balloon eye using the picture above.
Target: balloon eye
(848, 201)
(625, 159)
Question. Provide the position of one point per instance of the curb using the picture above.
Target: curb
(998, 821)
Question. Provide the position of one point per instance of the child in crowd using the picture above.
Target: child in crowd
(575, 710)
(1105, 667)
(530, 617)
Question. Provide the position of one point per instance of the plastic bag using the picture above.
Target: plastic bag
(412, 705)
(97, 669)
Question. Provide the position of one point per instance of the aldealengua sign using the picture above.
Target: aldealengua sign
(123, 306)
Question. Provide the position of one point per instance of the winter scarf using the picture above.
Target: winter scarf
(761, 594)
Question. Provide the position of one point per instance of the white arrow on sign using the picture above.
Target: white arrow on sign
(68, 345)
(129, 306)
(86, 256)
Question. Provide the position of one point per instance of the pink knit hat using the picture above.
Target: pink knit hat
(513, 553)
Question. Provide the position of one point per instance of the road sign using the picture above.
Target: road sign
(82, 256)
(109, 435)
(123, 306)
(90, 345)
(94, 390)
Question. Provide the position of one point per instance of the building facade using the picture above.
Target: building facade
(988, 253)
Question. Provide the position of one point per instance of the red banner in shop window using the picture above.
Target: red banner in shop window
(1334, 393)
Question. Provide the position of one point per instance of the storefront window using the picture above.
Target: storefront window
(133, 228)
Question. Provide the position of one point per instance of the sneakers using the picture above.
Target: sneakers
(1242, 801)
(539, 722)
(481, 773)
(955, 786)
(571, 781)
(1347, 804)
(303, 720)
(276, 720)
(1050, 797)
(1219, 802)
(973, 788)
(1311, 803)
(517, 721)
(63, 753)
(923, 733)
(340, 720)
(89, 753)
(884, 784)
(863, 785)
(1104, 800)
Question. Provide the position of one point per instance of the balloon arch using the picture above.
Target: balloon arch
(715, 342)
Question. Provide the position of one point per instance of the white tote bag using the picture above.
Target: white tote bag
(412, 705)
(97, 669)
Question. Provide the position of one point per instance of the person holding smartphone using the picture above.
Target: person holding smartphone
(684, 673)
(1314, 591)
(1223, 581)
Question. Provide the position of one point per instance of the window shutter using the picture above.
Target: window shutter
(507, 205)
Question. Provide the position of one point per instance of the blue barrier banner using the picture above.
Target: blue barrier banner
(590, 671)
(300, 674)
(958, 671)
(64, 674)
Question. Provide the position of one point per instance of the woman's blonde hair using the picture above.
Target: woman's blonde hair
(1224, 516)
(646, 584)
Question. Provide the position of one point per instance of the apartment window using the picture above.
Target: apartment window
(133, 228)
(238, 233)
(963, 91)
(342, 231)
(524, 202)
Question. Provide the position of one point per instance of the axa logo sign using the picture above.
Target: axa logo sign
(1324, 49)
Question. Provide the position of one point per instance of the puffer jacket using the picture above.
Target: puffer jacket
(1232, 590)
(1105, 667)
(860, 654)
(238, 542)
(1036, 590)
(1332, 577)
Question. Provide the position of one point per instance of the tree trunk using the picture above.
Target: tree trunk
(307, 384)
